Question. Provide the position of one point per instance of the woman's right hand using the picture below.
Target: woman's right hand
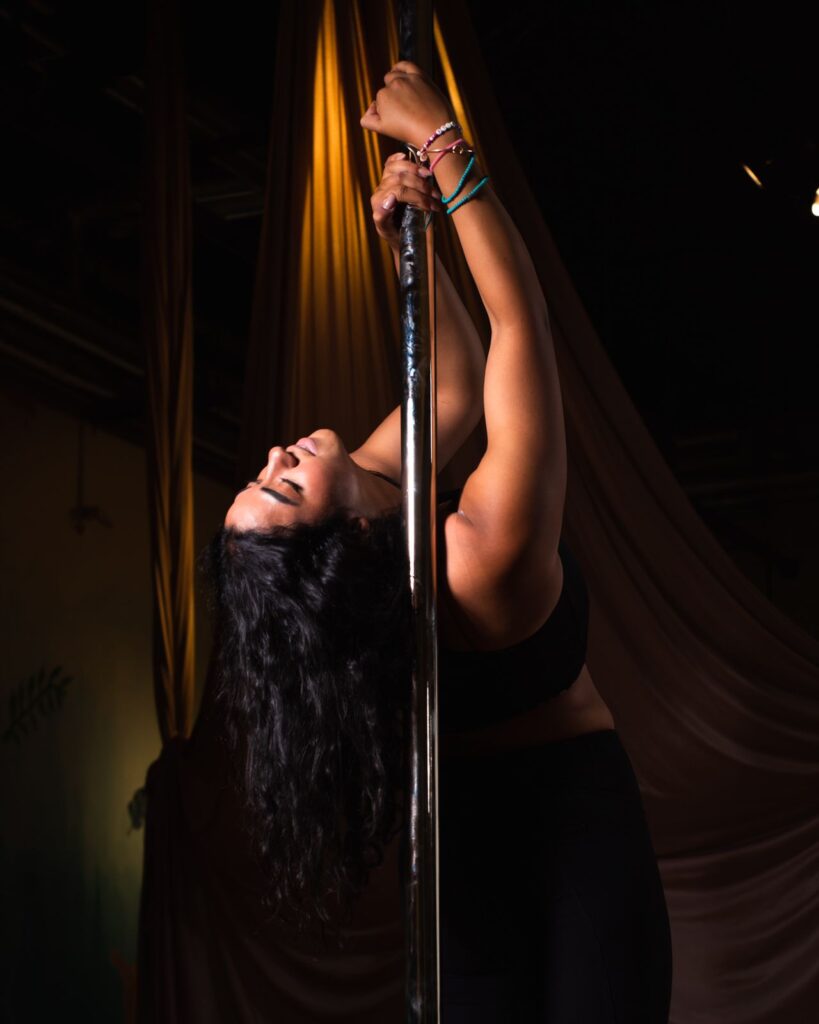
(403, 181)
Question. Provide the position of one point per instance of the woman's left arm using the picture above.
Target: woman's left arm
(460, 361)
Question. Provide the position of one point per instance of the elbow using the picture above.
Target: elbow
(527, 325)
(528, 312)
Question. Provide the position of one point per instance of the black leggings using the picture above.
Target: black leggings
(552, 908)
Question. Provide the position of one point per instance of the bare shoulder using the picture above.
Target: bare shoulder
(487, 600)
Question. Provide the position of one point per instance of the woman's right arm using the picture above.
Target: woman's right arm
(503, 543)
(515, 497)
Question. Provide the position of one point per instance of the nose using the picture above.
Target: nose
(278, 454)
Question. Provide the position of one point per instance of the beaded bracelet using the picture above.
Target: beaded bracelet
(422, 152)
(464, 176)
(468, 196)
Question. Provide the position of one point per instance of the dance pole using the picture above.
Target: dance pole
(419, 503)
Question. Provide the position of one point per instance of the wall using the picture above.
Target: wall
(70, 864)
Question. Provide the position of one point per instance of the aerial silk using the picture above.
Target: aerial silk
(715, 693)
(167, 324)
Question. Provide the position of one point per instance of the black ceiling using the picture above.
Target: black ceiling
(633, 122)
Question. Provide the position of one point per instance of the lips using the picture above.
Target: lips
(308, 444)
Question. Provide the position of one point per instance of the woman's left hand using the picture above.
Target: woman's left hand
(403, 181)
(409, 107)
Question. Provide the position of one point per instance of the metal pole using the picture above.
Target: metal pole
(419, 501)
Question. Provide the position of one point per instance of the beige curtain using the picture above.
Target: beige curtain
(168, 331)
(714, 692)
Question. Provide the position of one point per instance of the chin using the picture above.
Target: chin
(232, 520)
(330, 435)
(330, 441)
(241, 519)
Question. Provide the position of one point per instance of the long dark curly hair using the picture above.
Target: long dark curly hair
(313, 634)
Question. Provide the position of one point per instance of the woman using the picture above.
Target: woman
(551, 903)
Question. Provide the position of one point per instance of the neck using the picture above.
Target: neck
(384, 476)
(377, 493)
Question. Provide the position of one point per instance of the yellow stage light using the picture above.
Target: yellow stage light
(751, 175)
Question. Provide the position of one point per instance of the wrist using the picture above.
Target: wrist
(431, 125)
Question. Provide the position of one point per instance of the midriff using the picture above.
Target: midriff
(576, 710)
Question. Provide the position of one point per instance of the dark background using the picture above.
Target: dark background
(632, 121)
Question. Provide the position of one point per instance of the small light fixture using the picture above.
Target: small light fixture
(752, 176)
(815, 207)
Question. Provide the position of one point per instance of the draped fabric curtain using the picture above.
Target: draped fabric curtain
(274, 315)
(167, 324)
(324, 337)
(168, 332)
(714, 691)
(323, 331)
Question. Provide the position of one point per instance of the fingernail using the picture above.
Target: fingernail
(424, 172)
(389, 202)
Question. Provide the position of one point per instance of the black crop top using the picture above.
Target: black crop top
(479, 688)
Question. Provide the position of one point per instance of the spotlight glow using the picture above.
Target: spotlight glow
(752, 176)
(815, 208)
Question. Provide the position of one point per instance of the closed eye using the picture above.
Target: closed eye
(296, 487)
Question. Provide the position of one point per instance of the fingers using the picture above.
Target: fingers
(403, 181)
(383, 209)
(407, 185)
(395, 158)
(406, 194)
(402, 69)
(371, 118)
(407, 67)
(397, 165)
(402, 193)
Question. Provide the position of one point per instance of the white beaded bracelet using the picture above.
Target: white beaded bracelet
(422, 152)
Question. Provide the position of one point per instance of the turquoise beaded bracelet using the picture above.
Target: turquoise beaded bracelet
(468, 196)
(460, 185)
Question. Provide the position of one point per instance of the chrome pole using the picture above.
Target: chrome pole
(419, 502)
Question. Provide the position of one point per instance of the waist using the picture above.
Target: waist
(578, 710)
(569, 753)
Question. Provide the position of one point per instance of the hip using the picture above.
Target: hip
(551, 895)
(527, 802)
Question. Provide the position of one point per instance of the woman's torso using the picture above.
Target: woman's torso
(522, 719)
(577, 709)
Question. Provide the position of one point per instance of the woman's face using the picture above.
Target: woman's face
(300, 483)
